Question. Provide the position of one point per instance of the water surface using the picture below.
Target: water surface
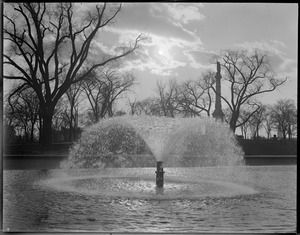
(208, 199)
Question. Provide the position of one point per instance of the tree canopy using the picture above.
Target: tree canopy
(248, 74)
(49, 46)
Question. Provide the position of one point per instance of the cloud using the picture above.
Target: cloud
(156, 18)
(167, 25)
(272, 46)
(160, 54)
(185, 13)
(200, 58)
(179, 12)
(275, 50)
(157, 59)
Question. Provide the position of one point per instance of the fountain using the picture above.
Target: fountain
(142, 141)
(124, 141)
(159, 174)
(108, 183)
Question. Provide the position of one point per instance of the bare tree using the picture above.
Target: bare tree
(249, 75)
(60, 121)
(189, 98)
(257, 119)
(132, 106)
(48, 46)
(73, 96)
(23, 110)
(167, 98)
(268, 121)
(284, 113)
(148, 106)
(66, 114)
(244, 122)
(195, 95)
(104, 88)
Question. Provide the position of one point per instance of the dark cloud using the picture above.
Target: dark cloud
(147, 19)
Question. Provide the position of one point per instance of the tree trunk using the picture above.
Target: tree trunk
(284, 134)
(257, 130)
(46, 138)
(233, 120)
(232, 123)
(40, 128)
(232, 127)
(31, 133)
(71, 127)
(289, 132)
(75, 124)
(269, 133)
(26, 133)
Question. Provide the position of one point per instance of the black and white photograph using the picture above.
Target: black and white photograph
(149, 117)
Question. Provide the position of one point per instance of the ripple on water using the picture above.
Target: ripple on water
(193, 200)
(145, 188)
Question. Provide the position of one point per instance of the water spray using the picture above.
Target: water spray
(160, 174)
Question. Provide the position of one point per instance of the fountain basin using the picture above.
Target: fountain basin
(207, 199)
(143, 187)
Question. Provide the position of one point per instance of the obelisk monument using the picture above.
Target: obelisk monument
(218, 113)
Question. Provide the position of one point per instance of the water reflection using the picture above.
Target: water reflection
(159, 191)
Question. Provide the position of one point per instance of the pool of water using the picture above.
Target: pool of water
(208, 199)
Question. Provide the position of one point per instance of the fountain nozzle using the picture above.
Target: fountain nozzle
(160, 175)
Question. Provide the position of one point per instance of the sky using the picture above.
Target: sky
(185, 36)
